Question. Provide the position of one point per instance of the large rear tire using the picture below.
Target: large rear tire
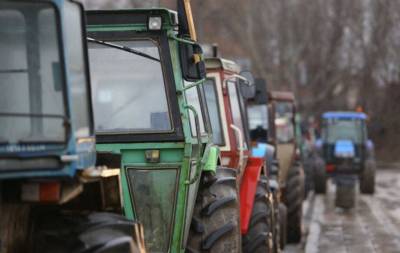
(294, 203)
(367, 179)
(59, 232)
(215, 224)
(259, 235)
(15, 227)
(320, 177)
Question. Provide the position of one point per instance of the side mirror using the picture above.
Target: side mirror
(261, 96)
(249, 76)
(246, 85)
(193, 67)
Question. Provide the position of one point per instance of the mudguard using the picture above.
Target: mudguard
(248, 190)
(210, 158)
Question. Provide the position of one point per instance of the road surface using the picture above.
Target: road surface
(372, 226)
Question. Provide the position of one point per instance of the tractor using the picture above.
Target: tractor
(152, 124)
(47, 144)
(260, 134)
(346, 154)
(226, 90)
(287, 162)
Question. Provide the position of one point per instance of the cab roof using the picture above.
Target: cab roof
(281, 95)
(222, 64)
(131, 19)
(344, 115)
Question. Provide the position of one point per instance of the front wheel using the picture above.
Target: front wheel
(294, 202)
(259, 235)
(320, 177)
(215, 224)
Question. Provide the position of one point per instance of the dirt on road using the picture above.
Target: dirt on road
(372, 226)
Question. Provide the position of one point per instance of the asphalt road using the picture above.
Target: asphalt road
(372, 226)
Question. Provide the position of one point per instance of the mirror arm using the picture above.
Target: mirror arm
(235, 76)
(195, 84)
(171, 35)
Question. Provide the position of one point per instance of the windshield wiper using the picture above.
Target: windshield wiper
(123, 48)
(31, 115)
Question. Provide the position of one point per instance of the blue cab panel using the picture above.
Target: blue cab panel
(344, 149)
(344, 115)
(52, 134)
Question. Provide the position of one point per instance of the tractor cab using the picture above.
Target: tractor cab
(227, 111)
(258, 123)
(151, 119)
(290, 173)
(45, 105)
(283, 136)
(344, 137)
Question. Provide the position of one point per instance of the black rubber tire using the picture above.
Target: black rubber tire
(320, 177)
(258, 238)
(308, 165)
(15, 227)
(367, 178)
(59, 232)
(294, 202)
(282, 226)
(345, 196)
(215, 224)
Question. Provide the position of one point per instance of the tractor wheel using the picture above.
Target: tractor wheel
(14, 227)
(259, 235)
(294, 202)
(215, 224)
(282, 226)
(345, 195)
(320, 177)
(58, 232)
(367, 179)
(308, 166)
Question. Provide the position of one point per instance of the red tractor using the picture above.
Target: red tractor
(252, 202)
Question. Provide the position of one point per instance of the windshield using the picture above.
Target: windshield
(213, 110)
(258, 122)
(284, 113)
(193, 99)
(31, 80)
(128, 89)
(343, 129)
(235, 104)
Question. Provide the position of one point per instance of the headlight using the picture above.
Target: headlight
(155, 23)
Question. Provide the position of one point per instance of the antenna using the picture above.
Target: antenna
(186, 23)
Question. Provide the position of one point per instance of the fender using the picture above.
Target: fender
(248, 190)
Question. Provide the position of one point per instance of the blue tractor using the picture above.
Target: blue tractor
(51, 193)
(345, 154)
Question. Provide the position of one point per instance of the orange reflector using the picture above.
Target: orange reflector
(50, 191)
(330, 167)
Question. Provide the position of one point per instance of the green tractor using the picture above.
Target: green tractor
(152, 124)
